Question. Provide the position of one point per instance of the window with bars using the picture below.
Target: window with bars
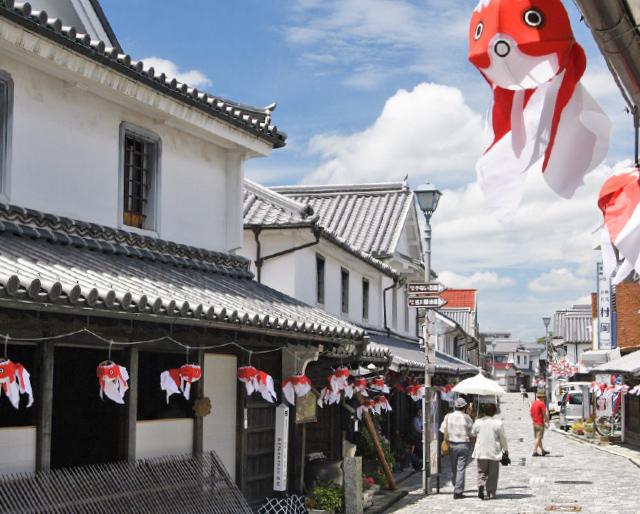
(365, 299)
(320, 279)
(139, 174)
(344, 283)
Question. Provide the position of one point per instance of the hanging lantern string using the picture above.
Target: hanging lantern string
(6, 342)
(111, 343)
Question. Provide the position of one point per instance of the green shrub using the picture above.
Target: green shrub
(325, 497)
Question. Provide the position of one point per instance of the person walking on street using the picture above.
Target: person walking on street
(415, 434)
(491, 442)
(457, 427)
(523, 392)
(540, 421)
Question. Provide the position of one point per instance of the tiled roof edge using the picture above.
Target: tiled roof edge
(256, 120)
(342, 188)
(305, 211)
(31, 223)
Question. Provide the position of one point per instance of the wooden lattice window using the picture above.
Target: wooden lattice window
(139, 164)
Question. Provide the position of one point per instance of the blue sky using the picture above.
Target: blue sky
(373, 90)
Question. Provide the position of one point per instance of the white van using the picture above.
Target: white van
(561, 387)
(574, 404)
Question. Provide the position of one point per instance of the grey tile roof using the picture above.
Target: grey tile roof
(369, 217)
(265, 208)
(630, 363)
(465, 318)
(255, 120)
(573, 325)
(411, 355)
(82, 268)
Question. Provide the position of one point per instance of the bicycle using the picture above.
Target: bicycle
(610, 425)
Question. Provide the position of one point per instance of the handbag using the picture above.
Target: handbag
(505, 460)
(445, 444)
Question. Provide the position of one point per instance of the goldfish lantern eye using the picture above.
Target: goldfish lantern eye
(110, 372)
(533, 18)
(479, 30)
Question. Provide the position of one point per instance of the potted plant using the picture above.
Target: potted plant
(324, 499)
(577, 429)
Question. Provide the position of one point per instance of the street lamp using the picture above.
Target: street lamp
(546, 320)
(493, 354)
(428, 197)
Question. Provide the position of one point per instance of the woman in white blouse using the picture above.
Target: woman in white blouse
(490, 443)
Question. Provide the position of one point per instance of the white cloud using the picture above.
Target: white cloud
(390, 36)
(481, 280)
(429, 130)
(561, 279)
(192, 78)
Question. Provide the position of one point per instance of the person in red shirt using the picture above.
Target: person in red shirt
(540, 421)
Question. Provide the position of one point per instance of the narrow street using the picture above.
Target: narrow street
(575, 477)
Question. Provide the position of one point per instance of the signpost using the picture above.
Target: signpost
(422, 288)
(426, 295)
(281, 448)
(430, 302)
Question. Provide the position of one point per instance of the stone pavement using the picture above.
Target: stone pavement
(576, 477)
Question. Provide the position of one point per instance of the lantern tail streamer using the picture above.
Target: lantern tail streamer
(170, 382)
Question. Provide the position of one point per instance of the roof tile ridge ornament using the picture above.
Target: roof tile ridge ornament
(256, 119)
(92, 231)
(267, 194)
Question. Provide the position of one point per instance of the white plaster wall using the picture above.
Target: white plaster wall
(65, 161)
(17, 450)
(164, 437)
(220, 385)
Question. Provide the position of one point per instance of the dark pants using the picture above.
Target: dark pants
(459, 455)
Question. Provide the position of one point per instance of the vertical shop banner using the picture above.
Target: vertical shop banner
(281, 448)
(605, 336)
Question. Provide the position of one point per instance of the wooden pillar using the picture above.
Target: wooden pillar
(131, 405)
(197, 389)
(45, 406)
(376, 443)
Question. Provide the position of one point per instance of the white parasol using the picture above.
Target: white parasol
(479, 385)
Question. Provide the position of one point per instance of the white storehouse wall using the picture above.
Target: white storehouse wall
(75, 172)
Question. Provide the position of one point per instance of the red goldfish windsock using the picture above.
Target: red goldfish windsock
(368, 406)
(179, 380)
(618, 201)
(339, 379)
(113, 381)
(15, 380)
(541, 114)
(378, 384)
(360, 386)
(248, 374)
(381, 405)
(416, 392)
(295, 386)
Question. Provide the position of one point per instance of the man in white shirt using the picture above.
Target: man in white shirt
(457, 427)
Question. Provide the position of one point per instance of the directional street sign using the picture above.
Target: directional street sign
(421, 288)
(430, 302)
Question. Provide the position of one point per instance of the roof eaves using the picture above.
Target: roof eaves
(254, 120)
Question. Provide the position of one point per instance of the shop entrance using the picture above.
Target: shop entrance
(85, 429)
